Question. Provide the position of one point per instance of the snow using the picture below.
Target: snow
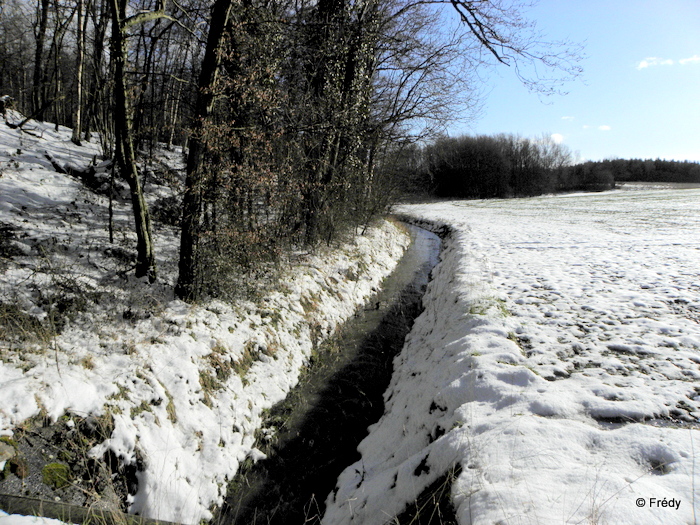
(556, 363)
(162, 369)
(18, 519)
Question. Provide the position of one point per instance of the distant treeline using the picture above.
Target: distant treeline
(498, 166)
(506, 165)
(647, 170)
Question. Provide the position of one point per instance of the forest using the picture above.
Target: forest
(646, 170)
(292, 114)
(507, 165)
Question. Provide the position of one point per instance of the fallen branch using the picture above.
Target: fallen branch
(39, 111)
(84, 175)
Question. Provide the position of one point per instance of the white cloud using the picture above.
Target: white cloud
(558, 138)
(586, 126)
(691, 60)
(654, 61)
(604, 128)
(568, 118)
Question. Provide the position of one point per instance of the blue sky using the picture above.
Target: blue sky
(639, 96)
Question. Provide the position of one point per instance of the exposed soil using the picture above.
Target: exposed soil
(50, 462)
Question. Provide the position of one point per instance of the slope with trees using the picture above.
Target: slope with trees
(295, 114)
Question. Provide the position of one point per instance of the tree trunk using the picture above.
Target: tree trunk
(126, 157)
(96, 91)
(187, 287)
(79, 59)
(38, 79)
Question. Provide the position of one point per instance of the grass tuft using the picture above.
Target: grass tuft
(434, 505)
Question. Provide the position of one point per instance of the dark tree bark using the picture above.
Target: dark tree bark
(187, 286)
(79, 67)
(39, 75)
(97, 114)
(126, 157)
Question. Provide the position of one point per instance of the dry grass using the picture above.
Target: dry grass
(434, 505)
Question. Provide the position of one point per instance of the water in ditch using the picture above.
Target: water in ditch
(313, 435)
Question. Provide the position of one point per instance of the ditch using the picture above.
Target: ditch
(312, 435)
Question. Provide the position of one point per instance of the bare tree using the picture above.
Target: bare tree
(126, 156)
(39, 79)
(502, 31)
(187, 288)
(79, 68)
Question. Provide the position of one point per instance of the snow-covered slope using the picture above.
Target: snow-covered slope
(183, 385)
(557, 364)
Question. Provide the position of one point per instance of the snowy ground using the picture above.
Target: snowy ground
(16, 519)
(183, 386)
(557, 363)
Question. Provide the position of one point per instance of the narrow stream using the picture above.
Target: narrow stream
(313, 435)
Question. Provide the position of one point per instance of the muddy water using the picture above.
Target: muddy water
(313, 435)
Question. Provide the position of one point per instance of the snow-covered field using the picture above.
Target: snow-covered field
(184, 386)
(557, 363)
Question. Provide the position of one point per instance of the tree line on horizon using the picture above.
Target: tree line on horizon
(507, 165)
(292, 113)
(647, 170)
